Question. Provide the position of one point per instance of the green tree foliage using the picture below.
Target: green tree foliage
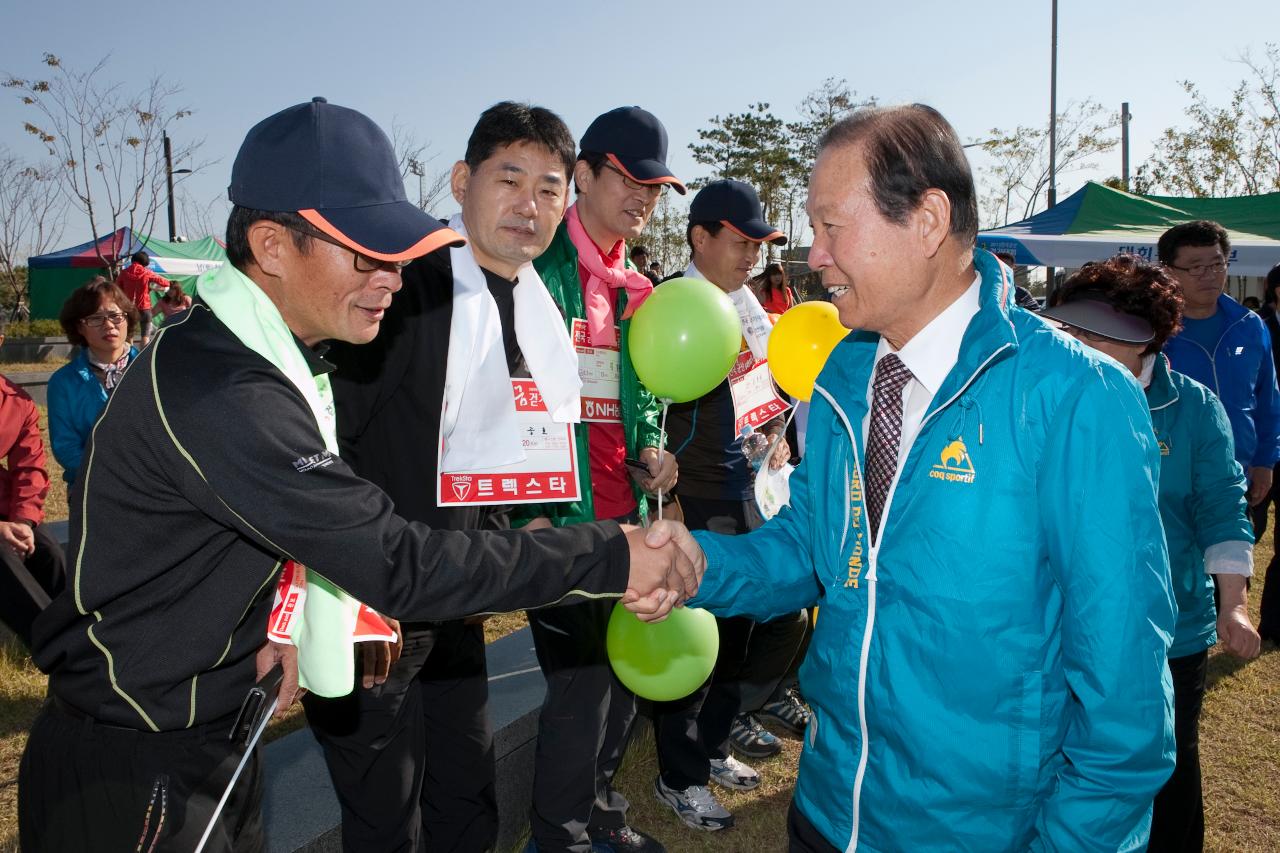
(821, 108)
(1226, 150)
(773, 155)
(1014, 185)
(752, 146)
(664, 236)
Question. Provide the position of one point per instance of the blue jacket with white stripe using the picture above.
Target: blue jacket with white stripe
(1241, 372)
(991, 675)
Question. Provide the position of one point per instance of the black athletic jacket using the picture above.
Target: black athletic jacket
(206, 470)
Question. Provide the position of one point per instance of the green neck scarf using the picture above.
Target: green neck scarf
(323, 635)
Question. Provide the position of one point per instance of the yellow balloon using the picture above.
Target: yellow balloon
(799, 345)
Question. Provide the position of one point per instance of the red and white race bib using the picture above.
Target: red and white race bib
(755, 400)
(291, 594)
(548, 474)
(600, 369)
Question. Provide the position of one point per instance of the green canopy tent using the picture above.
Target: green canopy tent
(1097, 222)
(55, 275)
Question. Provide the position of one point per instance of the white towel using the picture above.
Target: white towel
(479, 422)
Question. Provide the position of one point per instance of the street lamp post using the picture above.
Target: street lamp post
(169, 172)
(1125, 115)
(416, 167)
(1051, 272)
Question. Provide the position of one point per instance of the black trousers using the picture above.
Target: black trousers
(689, 732)
(27, 585)
(412, 760)
(774, 655)
(1177, 823)
(85, 786)
(1269, 607)
(582, 730)
(802, 837)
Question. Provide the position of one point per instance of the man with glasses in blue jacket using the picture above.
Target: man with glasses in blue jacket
(1227, 348)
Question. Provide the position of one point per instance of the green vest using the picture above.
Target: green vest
(558, 266)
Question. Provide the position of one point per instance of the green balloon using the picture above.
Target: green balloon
(684, 339)
(663, 660)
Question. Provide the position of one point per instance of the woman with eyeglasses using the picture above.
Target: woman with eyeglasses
(101, 320)
(1127, 309)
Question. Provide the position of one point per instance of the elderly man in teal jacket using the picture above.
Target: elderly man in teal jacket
(976, 519)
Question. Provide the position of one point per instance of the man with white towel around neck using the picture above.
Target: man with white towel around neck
(411, 751)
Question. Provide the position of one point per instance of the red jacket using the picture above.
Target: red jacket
(136, 280)
(777, 302)
(25, 481)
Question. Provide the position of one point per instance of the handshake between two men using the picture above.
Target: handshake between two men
(666, 568)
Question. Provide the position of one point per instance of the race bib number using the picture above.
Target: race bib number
(755, 400)
(548, 474)
(600, 369)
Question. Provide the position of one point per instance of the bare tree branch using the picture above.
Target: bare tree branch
(108, 145)
(1019, 173)
(1224, 150)
(31, 209)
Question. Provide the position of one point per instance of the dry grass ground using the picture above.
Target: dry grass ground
(1240, 755)
(11, 367)
(1240, 749)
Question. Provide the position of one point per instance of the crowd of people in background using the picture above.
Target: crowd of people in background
(938, 358)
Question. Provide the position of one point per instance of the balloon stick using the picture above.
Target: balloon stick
(662, 448)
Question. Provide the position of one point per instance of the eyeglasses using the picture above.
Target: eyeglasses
(97, 321)
(1200, 270)
(362, 263)
(636, 186)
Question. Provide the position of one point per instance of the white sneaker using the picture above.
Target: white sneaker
(732, 773)
(695, 805)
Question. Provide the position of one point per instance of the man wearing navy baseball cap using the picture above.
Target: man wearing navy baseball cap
(620, 174)
(223, 437)
(726, 230)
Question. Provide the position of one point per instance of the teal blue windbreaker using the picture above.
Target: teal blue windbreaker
(1202, 496)
(993, 676)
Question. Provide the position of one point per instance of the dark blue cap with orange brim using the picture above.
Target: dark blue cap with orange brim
(635, 142)
(736, 206)
(338, 170)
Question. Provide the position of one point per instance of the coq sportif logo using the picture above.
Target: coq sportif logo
(954, 464)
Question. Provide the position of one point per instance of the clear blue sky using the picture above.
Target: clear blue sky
(434, 66)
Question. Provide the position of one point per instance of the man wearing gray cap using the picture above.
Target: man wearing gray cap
(148, 660)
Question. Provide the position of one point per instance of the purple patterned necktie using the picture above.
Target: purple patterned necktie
(884, 434)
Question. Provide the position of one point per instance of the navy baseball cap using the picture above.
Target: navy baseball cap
(337, 169)
(1091, 312)
(736, 206)
(635, 142)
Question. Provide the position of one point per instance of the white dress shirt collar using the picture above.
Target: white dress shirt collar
(934, 350)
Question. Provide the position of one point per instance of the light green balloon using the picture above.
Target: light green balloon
(684, 339)
(663, 660)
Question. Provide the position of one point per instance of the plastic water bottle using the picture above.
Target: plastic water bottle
(755, 445)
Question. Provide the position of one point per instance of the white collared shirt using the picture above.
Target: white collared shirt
(930, 356)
